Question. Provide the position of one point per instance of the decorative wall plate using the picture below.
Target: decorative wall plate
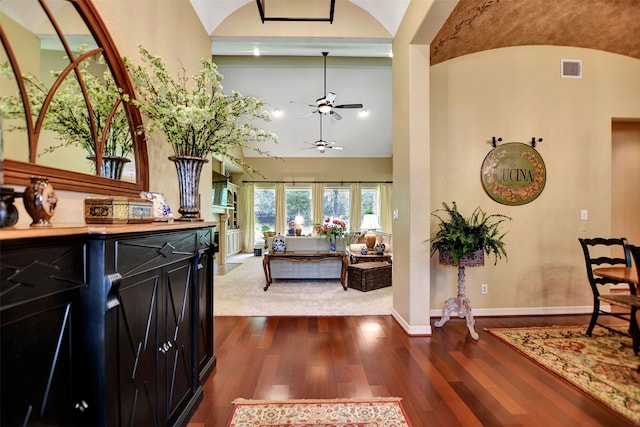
(513, 174)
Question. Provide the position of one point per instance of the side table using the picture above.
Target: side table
(355, 258)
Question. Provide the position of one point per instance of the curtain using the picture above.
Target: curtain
(355, 207)
(281, 209)
(386, 214)
(247, 216)
(317, 197)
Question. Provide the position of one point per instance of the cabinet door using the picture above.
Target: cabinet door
(205, 355)
(150, 327)
(40, 285)
(176, 349)
(136, 351)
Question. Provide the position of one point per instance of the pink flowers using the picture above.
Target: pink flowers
(332, 228)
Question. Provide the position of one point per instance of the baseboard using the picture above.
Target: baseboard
(425, 330)
(523, 311)
(422, 330)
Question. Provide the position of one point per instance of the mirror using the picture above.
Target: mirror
(61, 79)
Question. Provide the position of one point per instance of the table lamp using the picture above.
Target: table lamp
(370, 223)
(299, 220)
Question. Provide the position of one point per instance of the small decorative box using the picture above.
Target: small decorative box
(117, 210)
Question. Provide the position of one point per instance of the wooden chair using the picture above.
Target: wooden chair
(622, 259)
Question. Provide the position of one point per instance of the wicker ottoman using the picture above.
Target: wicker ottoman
(368, 276)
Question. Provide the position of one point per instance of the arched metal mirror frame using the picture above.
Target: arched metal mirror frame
(19, 173)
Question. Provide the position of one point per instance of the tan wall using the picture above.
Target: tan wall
(517, 93)
(330, 169)
(350, 21)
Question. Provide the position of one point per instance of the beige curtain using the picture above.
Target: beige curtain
(247, 216)
(317, 197)
(355, 207)
(386, 220)
(281, 209)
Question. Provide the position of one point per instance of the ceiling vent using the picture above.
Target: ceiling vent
(572, 68)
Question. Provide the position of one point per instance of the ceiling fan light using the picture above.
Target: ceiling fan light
(324, 108)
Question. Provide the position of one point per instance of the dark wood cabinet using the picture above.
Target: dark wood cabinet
(40, 285)
(131, 332)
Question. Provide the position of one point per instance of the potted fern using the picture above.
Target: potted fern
(463, 242)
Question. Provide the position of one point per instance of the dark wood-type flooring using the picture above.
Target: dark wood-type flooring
(447, 379)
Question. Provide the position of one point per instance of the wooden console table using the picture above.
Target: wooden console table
(304, 257)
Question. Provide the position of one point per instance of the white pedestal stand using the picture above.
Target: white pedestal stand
(460, 305)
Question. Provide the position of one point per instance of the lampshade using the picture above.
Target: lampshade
(299, 219)
(370, 222)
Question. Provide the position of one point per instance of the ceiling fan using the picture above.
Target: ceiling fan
(321, 145)
(325, 104)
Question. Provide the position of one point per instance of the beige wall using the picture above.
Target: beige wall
(350, 21)
(517, 93)
(318, 169)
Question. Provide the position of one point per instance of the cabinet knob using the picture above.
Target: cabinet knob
(82, 406)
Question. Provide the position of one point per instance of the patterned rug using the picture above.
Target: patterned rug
(375, 412)
(603, 365)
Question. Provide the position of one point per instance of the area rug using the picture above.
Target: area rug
(376, 412)
(239, 292)
(603, 366)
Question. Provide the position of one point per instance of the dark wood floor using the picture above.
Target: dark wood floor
(447, 379)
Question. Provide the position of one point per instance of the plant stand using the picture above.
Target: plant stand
(460, 305)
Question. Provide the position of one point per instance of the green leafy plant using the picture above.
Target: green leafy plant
(464, 236)
(196, 116)
(67, 113)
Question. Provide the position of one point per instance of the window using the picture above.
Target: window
(298, 202)
(336, 203)
(370, 200)
(264, 209)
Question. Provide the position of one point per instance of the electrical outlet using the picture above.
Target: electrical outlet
(484, 289)
(584, 214)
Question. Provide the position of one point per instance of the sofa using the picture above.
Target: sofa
(330, 268)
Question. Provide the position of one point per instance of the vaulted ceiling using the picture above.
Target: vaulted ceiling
(471, 26)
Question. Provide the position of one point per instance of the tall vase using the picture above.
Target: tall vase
(112, 166)
(332, 244)
(189, 169)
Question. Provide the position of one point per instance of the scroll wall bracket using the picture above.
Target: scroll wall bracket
(535, 141)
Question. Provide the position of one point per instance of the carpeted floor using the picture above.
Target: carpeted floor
(380, 412)
(239, 292)
(603, 365)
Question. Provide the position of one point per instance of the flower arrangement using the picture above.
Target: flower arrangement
(68, 115)
(200, 120)
(332, 228)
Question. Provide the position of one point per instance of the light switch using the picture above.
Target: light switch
(584, 215)
(395, 214)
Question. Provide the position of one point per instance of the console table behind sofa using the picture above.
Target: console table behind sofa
(305, 258)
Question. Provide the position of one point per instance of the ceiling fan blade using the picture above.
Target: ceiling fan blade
(300, 102)
(337, 147)
(335, 115)
(330, 97)
(348, 106)
(309, 113)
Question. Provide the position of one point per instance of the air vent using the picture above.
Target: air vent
(572, 68)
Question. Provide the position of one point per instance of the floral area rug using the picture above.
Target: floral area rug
(603, 365)
(376, 412)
